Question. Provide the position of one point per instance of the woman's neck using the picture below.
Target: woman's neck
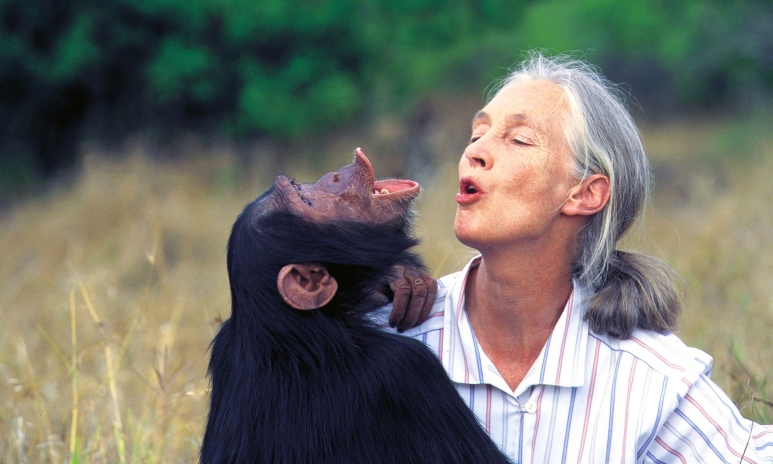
(513, 300)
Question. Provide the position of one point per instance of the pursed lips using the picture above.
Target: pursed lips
(469, 191)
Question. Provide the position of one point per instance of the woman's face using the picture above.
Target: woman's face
(515, 174)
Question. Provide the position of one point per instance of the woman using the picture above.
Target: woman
(560, 343)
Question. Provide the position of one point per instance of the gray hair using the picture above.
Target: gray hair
(628, 290)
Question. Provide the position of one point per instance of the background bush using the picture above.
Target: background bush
(282, 69)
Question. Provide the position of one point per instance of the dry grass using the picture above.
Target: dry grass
(713, 222)
(111, 284)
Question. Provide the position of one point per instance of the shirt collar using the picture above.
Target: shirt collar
(561, 361)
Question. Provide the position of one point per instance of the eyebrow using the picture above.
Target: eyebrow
(515, 118)
(480, 116)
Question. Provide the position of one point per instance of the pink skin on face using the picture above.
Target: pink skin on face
(515, 174)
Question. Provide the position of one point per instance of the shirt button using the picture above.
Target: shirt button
(530, 407)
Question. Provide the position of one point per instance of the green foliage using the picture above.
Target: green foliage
(688, 54)
(283, 69)
(179, 71)
(76, 49)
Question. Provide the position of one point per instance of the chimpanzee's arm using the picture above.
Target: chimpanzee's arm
(414, 294)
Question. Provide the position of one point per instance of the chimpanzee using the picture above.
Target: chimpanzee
(299, 372)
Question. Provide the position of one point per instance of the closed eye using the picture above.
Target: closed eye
(524, 141)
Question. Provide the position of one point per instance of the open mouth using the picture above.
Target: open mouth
(389, 187)
(469, 192)
(466, 186)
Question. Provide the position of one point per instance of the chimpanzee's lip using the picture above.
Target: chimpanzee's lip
(388, 187)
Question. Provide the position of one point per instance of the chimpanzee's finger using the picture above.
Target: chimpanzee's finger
(418, 297)
(402, 295)
(431, 295)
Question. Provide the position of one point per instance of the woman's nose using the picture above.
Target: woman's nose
(477, 154)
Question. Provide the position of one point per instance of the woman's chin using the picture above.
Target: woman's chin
(466, 235)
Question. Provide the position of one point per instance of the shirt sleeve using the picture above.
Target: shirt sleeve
(706, 427)
(380, 317)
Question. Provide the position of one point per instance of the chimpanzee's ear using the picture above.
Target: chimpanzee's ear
(306, 285)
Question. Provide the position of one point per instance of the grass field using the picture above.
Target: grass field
(112, 282)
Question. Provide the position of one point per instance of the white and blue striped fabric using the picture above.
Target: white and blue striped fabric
(592, 398)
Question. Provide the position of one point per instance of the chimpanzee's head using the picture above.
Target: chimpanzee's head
(334, 240)
(350, 194)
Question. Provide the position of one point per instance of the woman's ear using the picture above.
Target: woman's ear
(306, 285)
(588, 197)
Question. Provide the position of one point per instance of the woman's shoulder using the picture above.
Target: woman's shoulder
(663, 353)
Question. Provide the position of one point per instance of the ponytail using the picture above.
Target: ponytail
(638, 292)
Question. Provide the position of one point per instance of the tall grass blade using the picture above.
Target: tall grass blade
(74, 424)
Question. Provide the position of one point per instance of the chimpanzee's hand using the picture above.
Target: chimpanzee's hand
(414, 294)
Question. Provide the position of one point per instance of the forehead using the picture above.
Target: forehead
(537, 102)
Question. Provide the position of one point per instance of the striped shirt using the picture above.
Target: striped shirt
(592, 398)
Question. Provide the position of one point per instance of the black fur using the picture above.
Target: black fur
(325, 386)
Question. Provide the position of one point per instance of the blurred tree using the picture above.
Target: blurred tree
(283, 69)
(677, 56)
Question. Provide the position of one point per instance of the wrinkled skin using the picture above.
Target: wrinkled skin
(353, 194)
